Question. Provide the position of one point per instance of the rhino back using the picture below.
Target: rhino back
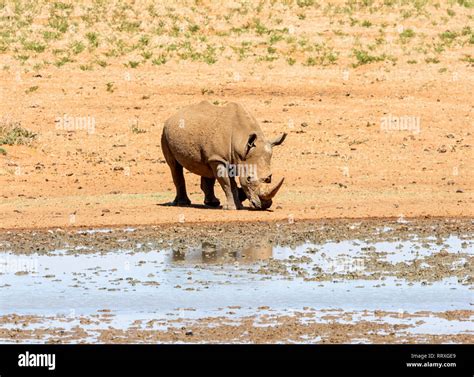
(196, 134)
(203, 132)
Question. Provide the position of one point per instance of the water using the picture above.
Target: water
(205, 282)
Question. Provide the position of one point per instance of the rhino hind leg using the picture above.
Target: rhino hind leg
(178, 179)
(207, 186)
(176, 168)
(181, 198)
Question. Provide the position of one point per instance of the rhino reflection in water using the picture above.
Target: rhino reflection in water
(210, 253)
(219, 143)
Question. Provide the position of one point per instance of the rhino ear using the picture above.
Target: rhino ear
(280, 139)
(250, 143)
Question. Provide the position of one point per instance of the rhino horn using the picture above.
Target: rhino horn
(267, 192)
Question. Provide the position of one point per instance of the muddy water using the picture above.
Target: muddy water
(419, 284)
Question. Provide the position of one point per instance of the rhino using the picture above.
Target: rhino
(220, 143)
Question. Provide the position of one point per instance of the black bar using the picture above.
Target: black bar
(241, 360)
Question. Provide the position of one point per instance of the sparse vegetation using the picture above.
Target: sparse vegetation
(448, 36)
(93, 39)
(159, 60)
(122, 37)
(15, 134)
(132, 64)
(136, 129)
(34, 46)
(432, 59)
(363, 57)
(85, 67)
(77, 47)
(406, 35)
(31, 89)
(468, 58)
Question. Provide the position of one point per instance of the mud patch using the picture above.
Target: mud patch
(303, 282)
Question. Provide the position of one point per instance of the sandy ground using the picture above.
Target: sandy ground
(116, 177)
(338, 161)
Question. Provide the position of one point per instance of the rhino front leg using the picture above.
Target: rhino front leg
(207, 186)
(229, 186)
(231, 192)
